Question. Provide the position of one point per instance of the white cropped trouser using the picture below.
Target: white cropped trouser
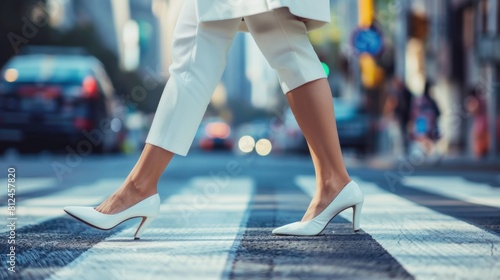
(199, 54)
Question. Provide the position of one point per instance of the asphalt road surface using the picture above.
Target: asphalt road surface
(218, 211)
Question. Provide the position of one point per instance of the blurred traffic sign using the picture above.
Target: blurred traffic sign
(368, 41)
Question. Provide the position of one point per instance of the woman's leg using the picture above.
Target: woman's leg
(199, 53)
(283, 40)
(312, 106)
(141, 181)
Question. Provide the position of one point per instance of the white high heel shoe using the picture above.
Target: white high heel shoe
(146, 209)
(350, 196)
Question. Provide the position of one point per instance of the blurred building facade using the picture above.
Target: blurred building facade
(108, 19)
(475, 48)
(238, 87)
(462, 55)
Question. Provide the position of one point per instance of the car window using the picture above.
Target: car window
(61, 75)
(47, 69)
(53, 69)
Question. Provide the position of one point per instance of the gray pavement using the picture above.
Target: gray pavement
(218, 211)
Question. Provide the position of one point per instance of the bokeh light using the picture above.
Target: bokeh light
(246, 144)
(218, 130)
(263, 147)
(11, 75)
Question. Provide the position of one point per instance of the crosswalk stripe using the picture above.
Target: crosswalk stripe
(25, 185)
(191, 239)
(40, 209)
(456, 187)
(429, 245)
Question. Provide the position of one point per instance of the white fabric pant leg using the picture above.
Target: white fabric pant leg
(199, 56)
(199, 52)
(283, 40)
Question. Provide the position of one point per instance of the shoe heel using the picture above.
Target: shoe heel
(356, 216)
(142, 226)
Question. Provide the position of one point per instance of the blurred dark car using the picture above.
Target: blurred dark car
(290, 136)
(255, 136)
(214, 134)
(54, 100)
(354, 126)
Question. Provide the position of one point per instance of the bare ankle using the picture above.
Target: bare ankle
(333, 182)
(142, 187)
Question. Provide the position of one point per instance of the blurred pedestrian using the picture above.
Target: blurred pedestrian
(476, 106)
(202, 37)
(424, 119)
(390, 134)
(403, 99)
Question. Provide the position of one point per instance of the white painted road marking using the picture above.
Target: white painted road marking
(428, 244)
(25, 185)
(456, 187)
(37, 210)
(191, 239)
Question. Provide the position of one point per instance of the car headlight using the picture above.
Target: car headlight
(246, 144)
(263, 147)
